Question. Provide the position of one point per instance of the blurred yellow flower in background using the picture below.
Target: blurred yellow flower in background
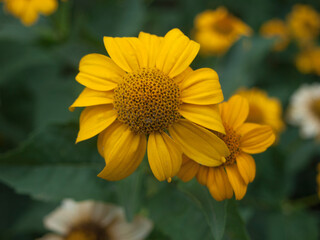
(304, 24)
(276, 28)
(90, 220)
(242, 139)
(304, 110)
(217, 30)
(147, 89)
(28, 10)
(308, 61)
(263, 109)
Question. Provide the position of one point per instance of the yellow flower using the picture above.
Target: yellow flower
(308, 61)
(242, 140)
(89, 220)
(304, 24)
(276, 28)
(263, 109)
(217, 30)
(28, 10)
(147, 89)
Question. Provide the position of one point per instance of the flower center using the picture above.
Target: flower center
(147, 101)
(232, 140)
(223, 26)
(87, 231)
(255, 114)
(315, 108)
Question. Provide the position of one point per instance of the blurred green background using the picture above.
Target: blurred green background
(40, 165)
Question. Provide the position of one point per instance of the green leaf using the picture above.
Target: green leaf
(235, 228)
(213, 211)
(191, 206)
(51, 166)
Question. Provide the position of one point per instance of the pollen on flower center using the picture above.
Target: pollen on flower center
(232, 140)
(147, 100)
(315, 108)
(87, 231)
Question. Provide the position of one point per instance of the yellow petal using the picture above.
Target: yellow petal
(99, 72)
(218, 184)
(201, 87)
(128, 52)
(94, 120)
(235, 111)
(205, 115)
(176, 53)
(255, 138)
(247, 167)
(202, 175)
(182, 76)
(89, 97)
(123, 151)
(152, 44)
(199, 144)
(236, 181)
(188, 169)
(164, 155)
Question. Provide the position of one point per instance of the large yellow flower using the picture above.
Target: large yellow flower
(242, 140)
(276, 28)
(263, 109)
(147, 89)
(304, 24)
(28, 10)
(217, 30)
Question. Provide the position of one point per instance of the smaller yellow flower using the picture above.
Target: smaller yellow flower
(308, 61)
(276, 28)
(304, 24)
(217, 30)
(263, 109)
(28, 10)
(242, 139)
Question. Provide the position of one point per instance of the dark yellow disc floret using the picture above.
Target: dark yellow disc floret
(232, 140)
(147, 100)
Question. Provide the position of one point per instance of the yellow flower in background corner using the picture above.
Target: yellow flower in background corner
(242, 140)
(304, 110)
(263, 109)
(217, 30)
(147, 89)
(308, 61)
(28, 10)
(276, 28)
(304, 24)
(89, 220)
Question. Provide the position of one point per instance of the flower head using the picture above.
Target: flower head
(89, 220)
(263, 109)
(304, 24)
(146, 89)
(304, 110)
(242, 139)
(276, 28)
(28, 10)
(308, 61)
(217, 30)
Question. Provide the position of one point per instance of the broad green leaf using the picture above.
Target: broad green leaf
(51, 166)
(235, 227)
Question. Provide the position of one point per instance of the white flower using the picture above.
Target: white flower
(304, 110)
(89, 220)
